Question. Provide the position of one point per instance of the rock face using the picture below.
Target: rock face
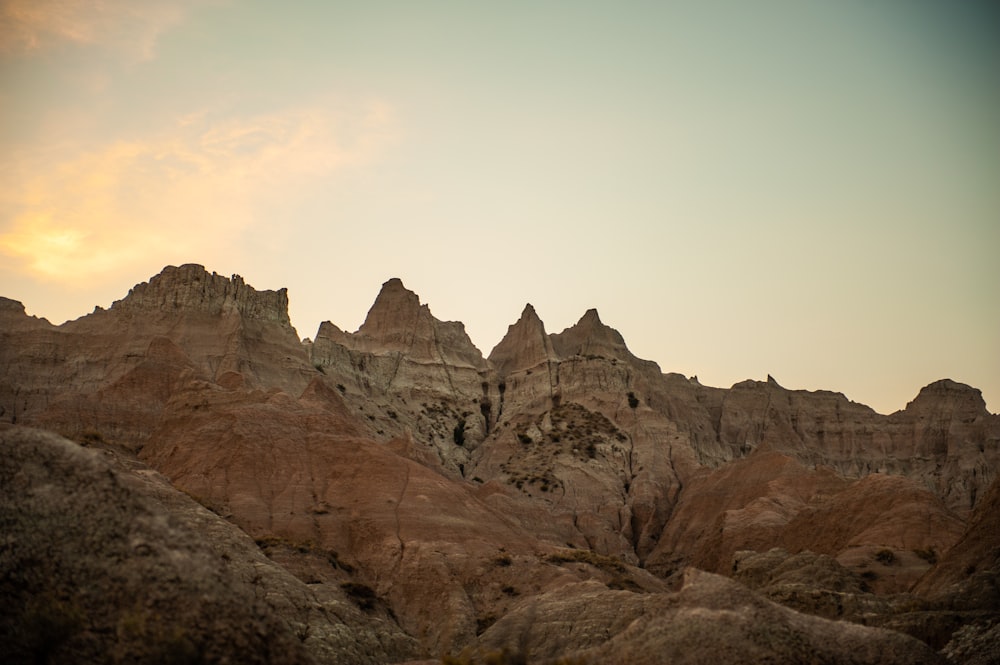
(189, 289)
(440, 495)
(183, 319)
(709, 619)
(409, 372)
(968, 574)
(102, 563)
(873, 525)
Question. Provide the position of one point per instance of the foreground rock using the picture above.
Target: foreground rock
(709, 620)
(100, 564)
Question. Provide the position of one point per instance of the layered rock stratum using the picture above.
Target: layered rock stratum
(181, 473)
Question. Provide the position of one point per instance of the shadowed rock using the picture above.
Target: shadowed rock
(103, 563)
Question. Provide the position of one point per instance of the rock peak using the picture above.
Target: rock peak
(948, 395)
(394, 284)
(13, 315)
(191, 287)
(8, 305)
(393, 316)
(398, 323)
(525, 345)
(590, 337)
(529, 313)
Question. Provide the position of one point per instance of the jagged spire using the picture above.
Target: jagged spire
(393, 317)
(398, 323)
(525, 345)
(591, 337)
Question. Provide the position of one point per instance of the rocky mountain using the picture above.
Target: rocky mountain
(407, 497)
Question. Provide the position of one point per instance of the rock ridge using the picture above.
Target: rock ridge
(459, 488)
(191, 287)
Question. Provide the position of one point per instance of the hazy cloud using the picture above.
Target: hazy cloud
(124, 25)
(71, 213)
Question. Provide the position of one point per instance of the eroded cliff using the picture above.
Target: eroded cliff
(458, 489)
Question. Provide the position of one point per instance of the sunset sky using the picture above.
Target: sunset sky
(798, 188)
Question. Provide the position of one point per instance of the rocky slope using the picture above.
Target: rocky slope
(457, 489)
(104, 562)
(708, 620)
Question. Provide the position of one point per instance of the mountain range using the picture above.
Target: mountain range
(185, 480)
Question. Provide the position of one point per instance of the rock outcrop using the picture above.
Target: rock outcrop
(104, 562)
(709, 619)
(220, 328)
(444, 494)
(968, 574)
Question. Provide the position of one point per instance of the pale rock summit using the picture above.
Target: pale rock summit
(948, 397)
(398, 323)
(524, 347)
(590, 337)
(190, 288)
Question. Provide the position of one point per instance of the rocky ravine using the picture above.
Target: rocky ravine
(454, 495)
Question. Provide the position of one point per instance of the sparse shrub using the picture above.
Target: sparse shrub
(620, 583)
(341, 388)
(483, 623)
(304, 546)
(335, 561)
(91, 438)
(502, 560)
(633, 401)
(866, 577)
(885, 556)
(177, 649)
(48, 624)
(524, 438)
(510, 591)
(362, 594)
(606, 563)
(928, 555)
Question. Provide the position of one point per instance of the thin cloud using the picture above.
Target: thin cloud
(74, 214)
(126, 26)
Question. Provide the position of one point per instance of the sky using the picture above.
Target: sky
(804, 189)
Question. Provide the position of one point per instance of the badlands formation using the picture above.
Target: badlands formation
(184, 480)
